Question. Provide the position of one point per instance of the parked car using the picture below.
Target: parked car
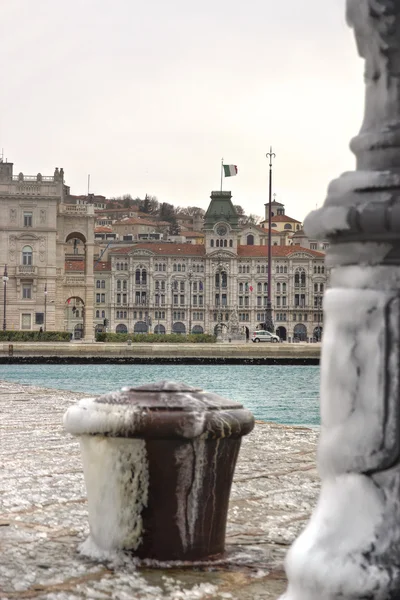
(264, 336)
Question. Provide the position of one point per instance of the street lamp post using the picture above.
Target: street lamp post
(190, 275)
(5, 280)
(45, 307)
(219, 313)
(269, 324)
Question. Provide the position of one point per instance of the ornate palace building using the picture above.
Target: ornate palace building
(56, 282)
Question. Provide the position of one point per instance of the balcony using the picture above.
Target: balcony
(27, 270)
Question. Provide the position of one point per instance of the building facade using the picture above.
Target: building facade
(39, 233)
(54, 283)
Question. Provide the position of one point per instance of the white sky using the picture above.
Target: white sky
(148, 96)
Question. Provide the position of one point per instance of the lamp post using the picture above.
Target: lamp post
(219, 313)
(190, 276)
(45, 306)
(5, 280)
(269, 324)
(318, 303)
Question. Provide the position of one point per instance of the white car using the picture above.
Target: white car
(264, 336)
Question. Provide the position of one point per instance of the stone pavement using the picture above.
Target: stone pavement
(43, 515)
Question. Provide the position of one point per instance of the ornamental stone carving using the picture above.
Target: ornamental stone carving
(42, 248)
(12, 248)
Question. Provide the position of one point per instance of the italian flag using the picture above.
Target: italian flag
(230, 170)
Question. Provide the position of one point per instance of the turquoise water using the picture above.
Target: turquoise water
(283, 393)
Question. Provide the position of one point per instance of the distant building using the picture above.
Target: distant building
(217, 275)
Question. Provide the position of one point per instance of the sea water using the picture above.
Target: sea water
(280, 393)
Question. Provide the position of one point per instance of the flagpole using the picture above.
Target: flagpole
(222, 171)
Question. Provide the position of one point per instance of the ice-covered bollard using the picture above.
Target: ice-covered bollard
(351, 547)
(158, 463)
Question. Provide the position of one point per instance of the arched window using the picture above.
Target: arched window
(140, 276)
(285, 269)
(103, 313)
(27, 255)
(278, 288)
(287, 226)
(97, 314)
(303, 278)
(297, 279)
(280, 269)
(217, 243)
(230, 243)
(225, 243)
(248, 269)
(259, 288)
(258, 269)
(283, 288)
(117, 266)
(174, 267)
(250, 240)
(212, 243)
(118, 284)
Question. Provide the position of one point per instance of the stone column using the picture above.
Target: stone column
(350, 548)
(89, 293)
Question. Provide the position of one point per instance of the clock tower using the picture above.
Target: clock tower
(221, 223)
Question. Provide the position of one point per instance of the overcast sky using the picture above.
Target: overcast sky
(148, 96)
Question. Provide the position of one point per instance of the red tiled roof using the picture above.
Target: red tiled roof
(163, 248)
(284, 219)
(277, 251)
(190, 233)
(79, 265)
(103, 229)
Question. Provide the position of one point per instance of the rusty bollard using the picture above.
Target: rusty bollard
(158, 463)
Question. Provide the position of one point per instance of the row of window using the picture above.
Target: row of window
(99, 314)
(222, 316)
(100, 284)
(281, 301)
(221, 243)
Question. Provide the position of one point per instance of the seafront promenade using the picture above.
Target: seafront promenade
(267, 353)
(43, 517)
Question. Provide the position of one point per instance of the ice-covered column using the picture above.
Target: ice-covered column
(351, 546)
